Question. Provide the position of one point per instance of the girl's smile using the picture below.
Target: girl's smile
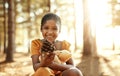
(50, 30)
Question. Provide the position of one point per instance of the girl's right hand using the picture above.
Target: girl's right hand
(48, 59)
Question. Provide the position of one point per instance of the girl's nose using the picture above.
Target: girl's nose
(50, 31)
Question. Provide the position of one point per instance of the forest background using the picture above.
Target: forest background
(91, 26)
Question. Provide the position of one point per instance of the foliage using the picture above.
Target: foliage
(115, 10)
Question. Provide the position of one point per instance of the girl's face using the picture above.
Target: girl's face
(50, 30)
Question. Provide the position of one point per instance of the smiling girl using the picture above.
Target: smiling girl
(43, 51)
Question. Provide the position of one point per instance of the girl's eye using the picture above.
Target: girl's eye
(55, 28)
(52, 28)
(46, 28)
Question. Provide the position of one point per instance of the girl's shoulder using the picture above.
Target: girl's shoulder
(35, 46)
(63, 41)
(64, 45)
(36, 42)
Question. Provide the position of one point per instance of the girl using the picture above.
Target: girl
(43, 50)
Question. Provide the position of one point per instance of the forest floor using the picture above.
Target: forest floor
(105, 64)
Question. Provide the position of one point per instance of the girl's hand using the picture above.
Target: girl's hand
(48, 59)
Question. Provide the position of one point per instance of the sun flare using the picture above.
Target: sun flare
(101, 23)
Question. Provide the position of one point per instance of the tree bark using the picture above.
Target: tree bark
(89, 45)
(86, 30)
(5, 27)
(11, 32)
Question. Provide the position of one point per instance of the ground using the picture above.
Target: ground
(22, 66)
(105, 64)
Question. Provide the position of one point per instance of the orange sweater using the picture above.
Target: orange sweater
(37, 43)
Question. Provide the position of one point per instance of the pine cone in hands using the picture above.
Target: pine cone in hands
(47, 47)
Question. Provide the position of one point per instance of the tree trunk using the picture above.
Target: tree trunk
(86, 30)
(89, 45)
(11, 32)
(5, 26)
(49, 5)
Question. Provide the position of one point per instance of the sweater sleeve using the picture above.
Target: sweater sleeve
(66, 45)
(35, 46)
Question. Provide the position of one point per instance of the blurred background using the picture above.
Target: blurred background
(91, 26)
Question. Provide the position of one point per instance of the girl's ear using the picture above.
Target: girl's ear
(40, 29)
